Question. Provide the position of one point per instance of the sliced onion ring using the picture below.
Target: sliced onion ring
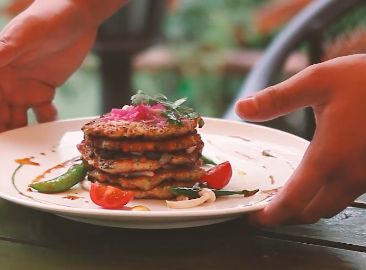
(190, 149)
(206, 196)
(85, 184)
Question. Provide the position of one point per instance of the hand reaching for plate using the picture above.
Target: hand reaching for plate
(332, 173)
(40, 49)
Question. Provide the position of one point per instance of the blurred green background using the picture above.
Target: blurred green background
(198, 34)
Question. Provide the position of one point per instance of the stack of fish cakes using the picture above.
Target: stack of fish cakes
(145, 158)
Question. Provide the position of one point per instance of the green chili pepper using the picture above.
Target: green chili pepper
(207, 161)
(193, 193)
(63, 182)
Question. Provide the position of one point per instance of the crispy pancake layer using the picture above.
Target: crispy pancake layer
(160, 192)
(149, 182)
(168, 145)
(122, 128)
(136, 163)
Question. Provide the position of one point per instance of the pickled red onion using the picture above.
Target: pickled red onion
(140, 113)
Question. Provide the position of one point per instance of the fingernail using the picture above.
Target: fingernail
(247, 107)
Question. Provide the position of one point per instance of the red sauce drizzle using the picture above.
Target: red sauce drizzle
(26, 161)
(64, 164)
(71, 197)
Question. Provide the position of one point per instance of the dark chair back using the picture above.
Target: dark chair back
(133, 28)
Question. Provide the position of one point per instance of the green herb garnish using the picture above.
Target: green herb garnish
(266, 154)
(207, 160)
(174, 111)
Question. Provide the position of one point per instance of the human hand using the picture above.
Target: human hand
(332, 173)
(39, 50)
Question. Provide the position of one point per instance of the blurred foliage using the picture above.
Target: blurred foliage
(213, 23)
(198, 34)
(347, 23)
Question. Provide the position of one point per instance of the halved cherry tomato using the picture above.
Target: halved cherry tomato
(109, 197)
(218, 176)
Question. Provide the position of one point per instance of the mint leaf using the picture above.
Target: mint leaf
(173, 111)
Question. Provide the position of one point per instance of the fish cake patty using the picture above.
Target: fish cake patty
(128, 145)
(160, 192)
(136, 163)
(122, 128)
(149, 182)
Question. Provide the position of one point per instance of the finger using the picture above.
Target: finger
(18, 117)
(300, 189)
(307, 88)
(333, 197)
(8, 51)
(46, 113)
(3, 128)
(4, 113)
(22, 34)
(288, 203)
(11, 47)
(32, 93)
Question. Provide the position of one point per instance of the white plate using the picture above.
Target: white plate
(240, 143)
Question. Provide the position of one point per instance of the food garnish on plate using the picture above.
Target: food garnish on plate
(149, 149)
(145, 147)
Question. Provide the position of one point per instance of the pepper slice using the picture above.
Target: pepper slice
(193, 193)
(207, 160)
(63, 182)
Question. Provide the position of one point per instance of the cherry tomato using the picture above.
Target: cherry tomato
(218, 176)
(109, 197)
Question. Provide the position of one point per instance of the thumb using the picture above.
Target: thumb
(307, 88)
(23, 33)
(8, 51)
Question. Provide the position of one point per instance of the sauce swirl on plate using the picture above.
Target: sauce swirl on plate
(26, 161)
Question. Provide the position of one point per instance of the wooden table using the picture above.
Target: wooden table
(31, 239)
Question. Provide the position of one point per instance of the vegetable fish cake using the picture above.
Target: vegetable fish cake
(160, 192)
(139, 145)
(126, 163)
(148, 181)
(111, 126)
(145, 147)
